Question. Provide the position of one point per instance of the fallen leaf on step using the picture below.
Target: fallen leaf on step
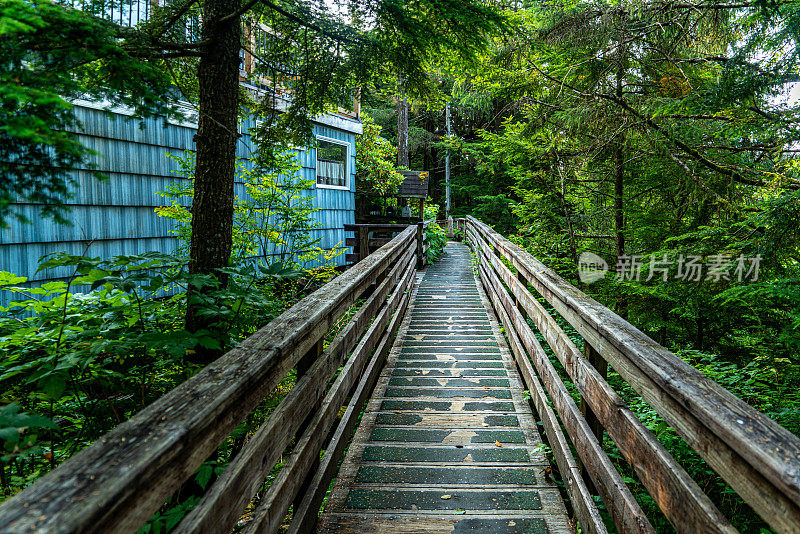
(497, 444)
(445, 497)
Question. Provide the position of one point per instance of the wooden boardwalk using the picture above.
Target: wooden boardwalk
(447, 442)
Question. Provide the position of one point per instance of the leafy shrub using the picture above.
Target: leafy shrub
(437, 239)
(273, 222)
(91, 351)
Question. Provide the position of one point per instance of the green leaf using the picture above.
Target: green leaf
(9, 434)
(53, 386)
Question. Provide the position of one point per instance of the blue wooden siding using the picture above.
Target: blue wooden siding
(116, 216)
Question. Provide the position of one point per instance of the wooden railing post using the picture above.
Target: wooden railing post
(596, 361)
(497, 253)
(363, 242)
(517, 301)
(420, 248)
(307, 360)
(303, 365)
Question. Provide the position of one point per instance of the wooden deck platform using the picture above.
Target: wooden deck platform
(447, 442)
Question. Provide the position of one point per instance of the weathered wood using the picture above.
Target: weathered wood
(374, 243)
(442, 524)
(621, 504)
(420, 245)
(275, 505)
(584, 507)
(679, 497)
(303, 366)
(362, 235)
(757, 457)
(490, 468)
(116, 484)
(520, 307)
(305, 516)
(308, 359)
(227, 498)
(377, 227)
(596, 361)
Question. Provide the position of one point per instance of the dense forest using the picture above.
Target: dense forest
(653, 135)
(660, 136)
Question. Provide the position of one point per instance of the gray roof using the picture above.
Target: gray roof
(415, 184)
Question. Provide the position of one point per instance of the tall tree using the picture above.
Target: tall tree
(215, 142)
(402, 130)
(331, 55)
(50, 54)
(309, 58)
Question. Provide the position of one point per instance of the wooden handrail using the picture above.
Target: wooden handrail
(756, 456)
(363, 244)
(119, 482)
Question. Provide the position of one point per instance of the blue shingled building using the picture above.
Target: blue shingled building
(117, 216)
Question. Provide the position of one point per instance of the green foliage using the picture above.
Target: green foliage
(437, 239)
(18, 432)
(376, 175)
(436, 236)
(39, 75)
(92, 351)
(431, 212)
(273, 222)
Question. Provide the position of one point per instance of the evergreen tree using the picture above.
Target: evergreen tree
(310, 58)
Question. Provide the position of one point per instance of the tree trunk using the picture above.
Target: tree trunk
(402, 131)
(217, 134)
(573, 245)
(619, 175)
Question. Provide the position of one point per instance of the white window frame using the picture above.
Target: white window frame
(346, 186)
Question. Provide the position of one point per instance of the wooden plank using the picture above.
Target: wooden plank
(755, 455)
(431, 419)
(595, 360)
(227, 498)
(377, 227)
(384, 524)
(273, 508)
(362, 236)
(583, 504)
(117, 483)
(374, 243)
(397, 472)
(420, 245)
(305, 517)
(683, 502)
(621, 504)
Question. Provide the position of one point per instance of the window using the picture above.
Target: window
(331, 164)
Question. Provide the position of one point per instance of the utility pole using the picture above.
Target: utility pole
(447, 163)
(402, 129)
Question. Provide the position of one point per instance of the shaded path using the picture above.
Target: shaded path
(447, 442)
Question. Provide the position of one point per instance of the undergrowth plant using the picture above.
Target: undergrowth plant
(81, 355)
